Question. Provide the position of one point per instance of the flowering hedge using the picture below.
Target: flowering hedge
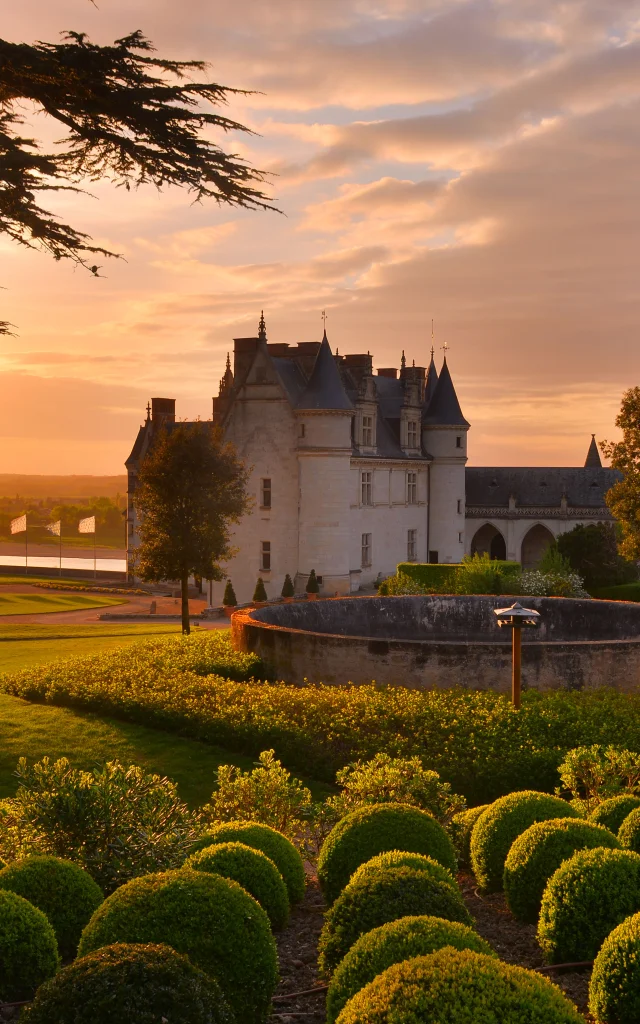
(474, 739)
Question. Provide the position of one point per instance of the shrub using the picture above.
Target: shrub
(261, 837)
(251, 869)
(386, 779)
(612, 812)
(260, 593)
(614, 989)
(212, 920)
(312, 587)
(457, 987)
(132, 984)
(116, 822)
(461, 829)
(594, 773)
(382, 897)
(65, 893)
(629, 831)
(401, 859)
(586, 898)
(229, 598)
(28, 948)
(287, 587)
(267, 794)
(592, 551)
(537, 854)
(550, 584)
(367, 831)
(501, 824)
(390, 944)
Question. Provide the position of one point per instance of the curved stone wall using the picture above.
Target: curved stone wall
(443, 641)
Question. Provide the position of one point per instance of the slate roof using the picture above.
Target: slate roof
(325, 389)
(584, 487)
(431, 381)
(444, 408)
(593, 460)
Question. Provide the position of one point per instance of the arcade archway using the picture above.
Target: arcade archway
(489, 540)
(534, 545)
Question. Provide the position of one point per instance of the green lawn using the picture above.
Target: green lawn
(36, 604)
(35, 730)
(22, 646)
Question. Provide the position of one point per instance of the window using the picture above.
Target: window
(367, 430)
(412, 488)
(412, 545)
(265, 492)
(433, 557)
(367, 487)
(412, 434)
(458, 442)
(302, 430)
(265, 556)
(460, 540)
(366, 549)
(459, 506)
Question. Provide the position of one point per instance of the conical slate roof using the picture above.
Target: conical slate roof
(325, 389)
(444, 408)
(593, 460)
(431, 381)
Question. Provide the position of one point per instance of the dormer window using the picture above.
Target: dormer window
(412, 434)
(367, 431)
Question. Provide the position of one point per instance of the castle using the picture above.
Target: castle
(353, 471)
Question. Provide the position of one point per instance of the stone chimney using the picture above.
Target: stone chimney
(163, 410)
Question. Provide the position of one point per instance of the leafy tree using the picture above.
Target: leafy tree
(191, 487)
(623, 499)
(130, 116)
(592, 552)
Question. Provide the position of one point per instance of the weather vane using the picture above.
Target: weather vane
(445, 348)
(432, 337)
(323, 317)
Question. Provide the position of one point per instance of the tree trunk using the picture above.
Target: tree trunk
(186, 628)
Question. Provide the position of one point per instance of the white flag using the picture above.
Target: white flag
(87, 525)
(19, 525)
(54, 527)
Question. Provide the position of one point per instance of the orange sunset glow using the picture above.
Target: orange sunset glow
(474, 162)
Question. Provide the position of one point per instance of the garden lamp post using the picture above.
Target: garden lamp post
(517, 617)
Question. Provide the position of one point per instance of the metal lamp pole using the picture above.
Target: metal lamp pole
(516, 617)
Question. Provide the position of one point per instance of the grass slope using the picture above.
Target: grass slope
(24, 646)
(37, 604)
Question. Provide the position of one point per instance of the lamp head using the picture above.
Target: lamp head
(517, 616)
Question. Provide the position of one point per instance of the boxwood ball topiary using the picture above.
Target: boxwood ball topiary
(400, 859)
(211, 919)
(501, 824)
(459, 987)
(461, 829)
(629, 831)
(61, 890)
(612, 812)
(386, 896)
(587, 897)
(614, 989)
(374, 829)
(277, 847)
(130, 984)
(251, 869)
(28, 948)
(390, 944)
(538, 853)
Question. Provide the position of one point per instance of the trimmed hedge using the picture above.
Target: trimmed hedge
(538, 853)
(461, 829)
(390, 944)
(501, 824)
(440, 577)
(251, 869)
(586, 898)
(386, 896)
(130, 984)
(28, 948)
(612, 812)
(401, 859)
(269, 841)
(614, 989)
(629, 831)
(378, 828)
(459, 987)
(212, 920)
(65, 893)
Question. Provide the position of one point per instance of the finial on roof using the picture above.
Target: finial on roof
(432, 337)
(323, 317)
(148, 412)
(413, 362)
(445, 349)
(403, 362)
(262, 327)
(593, 460)
(228, 366)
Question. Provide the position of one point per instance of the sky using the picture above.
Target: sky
(470, 162)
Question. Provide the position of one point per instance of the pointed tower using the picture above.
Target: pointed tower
(324, 413)
(431, 381)
(593, 460)
(444, 436)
